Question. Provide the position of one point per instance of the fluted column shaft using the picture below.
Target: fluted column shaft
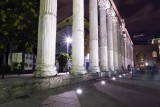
(78, 38)
(110, 41)
(46, 39)
(103, 38)
(119, 45)
(93, 38)
(128, 53)
(123, 51)
(115, 43)
(132, 62)
(126, 57)
(159, 47)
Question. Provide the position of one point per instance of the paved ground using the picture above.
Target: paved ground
(122, 92)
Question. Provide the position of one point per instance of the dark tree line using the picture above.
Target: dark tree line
(19, 26)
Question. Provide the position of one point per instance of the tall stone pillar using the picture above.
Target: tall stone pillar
(119, 45)
(110, 41)
(125, 56)
(127, 45)
(115, 43)
(123, 51)
(78, 38)
(129, 52)
(46, 39)
(103, 36)
(159, 48)
(93, 39)
(132, 59)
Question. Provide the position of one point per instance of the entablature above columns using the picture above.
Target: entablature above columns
(104, 4)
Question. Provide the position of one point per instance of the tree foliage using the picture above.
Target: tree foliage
(19, 23)
(62, 59)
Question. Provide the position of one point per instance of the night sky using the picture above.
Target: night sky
(142, 18)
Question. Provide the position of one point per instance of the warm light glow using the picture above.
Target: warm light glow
(124, 74)
(146, 64)
(63, 73)
(113, 78)
(154, 54)
(79, 91)
(103, 82)
(68, 40)
(88, 56)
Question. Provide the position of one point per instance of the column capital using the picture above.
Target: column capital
(108, 12)
(48, 7)
(115, 19)
(103, 4)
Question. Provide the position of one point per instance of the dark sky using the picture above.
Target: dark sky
(142, 17)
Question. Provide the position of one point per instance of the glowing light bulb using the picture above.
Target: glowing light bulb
(113, 78)
(103, 82)
(120, 76)
(79, 91)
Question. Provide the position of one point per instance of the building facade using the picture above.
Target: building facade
(110, 46)
(146, 55)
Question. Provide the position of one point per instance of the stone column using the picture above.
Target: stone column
(46, 39)
(93, 38)
(159, 48)
(119, 45)
(103, 36)
(115, 43)
(132, 59)
(78, 38)
(125, 56)
(129, 52)
(110, 41)
(127, 45)
(123, 51)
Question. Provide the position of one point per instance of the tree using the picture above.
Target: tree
(19, 26)
(62, 59)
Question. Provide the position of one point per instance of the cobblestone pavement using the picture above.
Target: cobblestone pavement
(122, 92)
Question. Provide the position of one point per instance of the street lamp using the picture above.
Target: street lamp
(68, 41)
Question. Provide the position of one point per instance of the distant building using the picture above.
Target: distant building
(146, 55)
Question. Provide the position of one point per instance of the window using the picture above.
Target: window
(154, 54)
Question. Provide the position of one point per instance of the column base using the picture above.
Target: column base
(104, 68)
(94, 69)
(109, 74)
(45, 71)
(78, 70)
(116, 68)
(111, 68)
(115, 72)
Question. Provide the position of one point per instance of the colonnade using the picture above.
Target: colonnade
(114, 50)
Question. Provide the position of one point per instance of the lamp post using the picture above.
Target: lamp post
(68, 41)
